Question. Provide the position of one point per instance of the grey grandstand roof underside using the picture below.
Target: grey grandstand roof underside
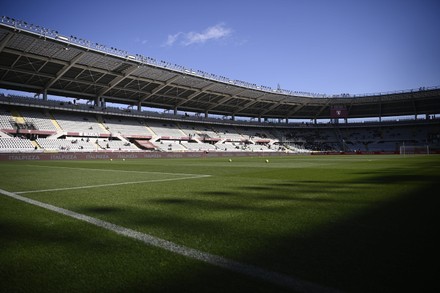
(38, 60)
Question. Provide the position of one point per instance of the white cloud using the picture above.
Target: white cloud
(142, 41)
(216, 32)
(219, 31)
(172, 39)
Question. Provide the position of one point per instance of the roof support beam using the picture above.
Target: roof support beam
(297, 108)
(225, 99)
(380, 109)
(415, 108)
(271, 108)
(250, 103)
(19, 85)
(322, 109)
(65, 69)
(221, 102)
(24, 71)
(118, 79)
(5, 41)
(161, 87)
(85, 67)
(198, 92)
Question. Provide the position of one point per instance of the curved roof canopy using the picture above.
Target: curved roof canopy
(39, 60)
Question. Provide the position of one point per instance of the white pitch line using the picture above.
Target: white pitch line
(219, 261)
(116, 170)
(110, 184)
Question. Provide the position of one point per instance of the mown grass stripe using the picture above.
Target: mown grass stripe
(249, 270)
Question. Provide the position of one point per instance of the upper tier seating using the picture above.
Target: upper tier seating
(5, 119)
(40, 120)
(166, 129)
(125, 126)
(75, 122)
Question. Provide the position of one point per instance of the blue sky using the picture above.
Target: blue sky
(329, 47)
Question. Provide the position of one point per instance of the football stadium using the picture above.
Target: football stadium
(123, 173)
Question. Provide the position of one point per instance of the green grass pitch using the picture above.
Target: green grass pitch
(351, 223)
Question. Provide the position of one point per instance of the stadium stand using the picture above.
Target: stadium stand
(27, 128)
(15, 144)
(126, 127)
(75, 123)
(65, 144)
(197, 146)
(39, 120)
(116, 145)
(171, 146)
(166, 130)
(6, 121)
(229, 146)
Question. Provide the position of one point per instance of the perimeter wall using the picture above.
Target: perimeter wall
(159, 155)
(127, 155)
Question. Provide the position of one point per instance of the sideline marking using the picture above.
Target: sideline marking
(110, 184)
(249, 270)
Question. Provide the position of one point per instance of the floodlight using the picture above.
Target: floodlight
(63, 38)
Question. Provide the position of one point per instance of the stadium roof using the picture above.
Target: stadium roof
(40, 60)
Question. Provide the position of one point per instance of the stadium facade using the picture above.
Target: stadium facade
(45, 62)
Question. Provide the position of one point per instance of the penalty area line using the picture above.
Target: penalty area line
(219, 261)
(110, 184)
(113, 170)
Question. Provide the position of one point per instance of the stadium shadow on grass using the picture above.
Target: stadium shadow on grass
(385, 248)
(103, 210)
(201, 204)
(295, 192)
(390, 176)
